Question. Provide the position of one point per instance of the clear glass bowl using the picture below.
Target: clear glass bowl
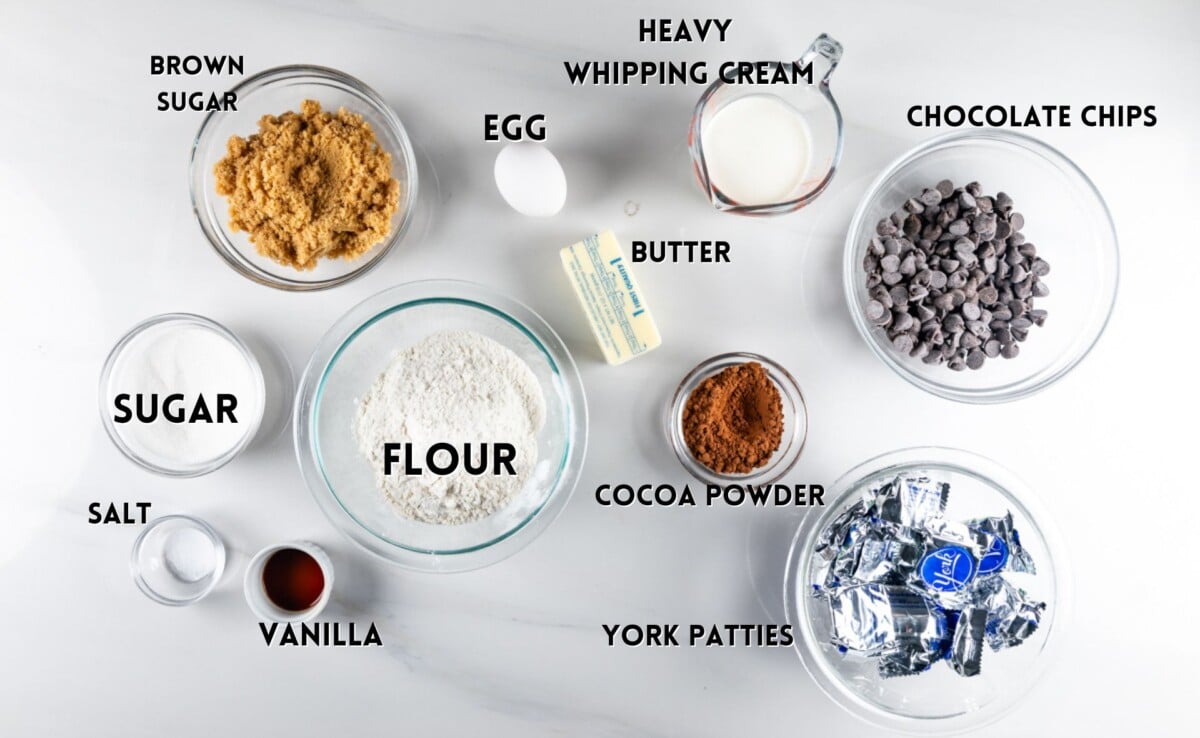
(938, 701)
(177, 560)
(165, 466)
(1065, 217)
(795, 421)
(351, 356)
(274, 92)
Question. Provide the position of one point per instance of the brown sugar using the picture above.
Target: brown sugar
(733, 420)
(309, 185)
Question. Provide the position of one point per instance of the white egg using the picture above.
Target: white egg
(530, 179)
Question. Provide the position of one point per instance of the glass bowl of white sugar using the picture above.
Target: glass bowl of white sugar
(181, 395)
(441, 425)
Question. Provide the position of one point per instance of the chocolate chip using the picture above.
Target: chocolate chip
(874, 310)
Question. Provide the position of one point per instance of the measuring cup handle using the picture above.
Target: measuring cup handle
(824, 55)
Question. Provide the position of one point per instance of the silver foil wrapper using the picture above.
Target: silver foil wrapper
(877, 618)
(1005, 552)
(910, 502)
(966, 651)
(1012, 615)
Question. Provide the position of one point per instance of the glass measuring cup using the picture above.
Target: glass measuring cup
(814, 104)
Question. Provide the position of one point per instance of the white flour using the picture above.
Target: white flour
(452, 387)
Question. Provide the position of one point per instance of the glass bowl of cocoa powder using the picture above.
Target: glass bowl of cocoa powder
(737, 418)
(308, 184)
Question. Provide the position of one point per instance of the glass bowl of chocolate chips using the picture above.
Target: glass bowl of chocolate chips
(981, 266)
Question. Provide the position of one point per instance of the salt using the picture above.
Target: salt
(189, 555)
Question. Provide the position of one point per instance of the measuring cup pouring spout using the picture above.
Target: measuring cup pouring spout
(769, 149)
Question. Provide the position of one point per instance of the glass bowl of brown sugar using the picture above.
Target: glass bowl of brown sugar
(303, 200)
(737, 418)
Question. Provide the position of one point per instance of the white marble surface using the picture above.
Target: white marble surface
(98, 234)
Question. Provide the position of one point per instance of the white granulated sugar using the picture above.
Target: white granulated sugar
(452, 387)
(192, 360)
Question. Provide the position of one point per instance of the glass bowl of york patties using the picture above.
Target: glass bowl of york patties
(929, 595)
(981, 266)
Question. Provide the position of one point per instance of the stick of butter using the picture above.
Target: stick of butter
(611, 299)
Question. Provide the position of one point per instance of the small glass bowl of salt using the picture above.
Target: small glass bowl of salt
(177, 560)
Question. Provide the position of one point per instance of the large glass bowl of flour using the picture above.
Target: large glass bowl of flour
(349, 360)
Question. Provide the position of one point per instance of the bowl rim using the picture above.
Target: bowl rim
(188, 319)
(851, 269)
(398, 298)
(788, 387)
(215, 233)
(1017, 494)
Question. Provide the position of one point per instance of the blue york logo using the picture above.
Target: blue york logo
(947, 569)
(995, 559)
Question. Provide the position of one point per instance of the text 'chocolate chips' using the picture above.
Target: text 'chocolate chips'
(951, 278)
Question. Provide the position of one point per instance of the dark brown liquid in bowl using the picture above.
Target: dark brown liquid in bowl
(293, 579)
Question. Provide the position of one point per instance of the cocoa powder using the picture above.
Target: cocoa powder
(733, 420)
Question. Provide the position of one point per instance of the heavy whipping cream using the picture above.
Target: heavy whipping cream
(757, 149)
